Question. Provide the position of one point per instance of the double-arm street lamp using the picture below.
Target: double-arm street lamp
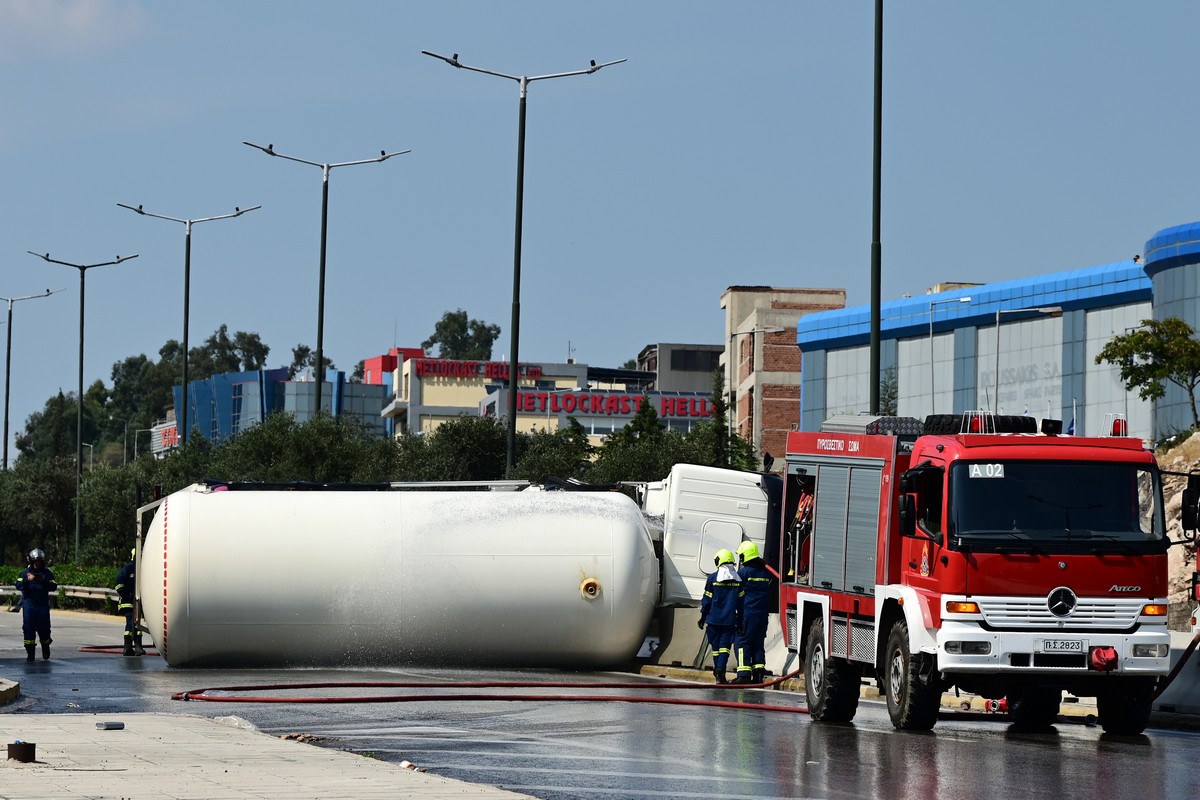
(83, 268)
(8, 360)
(932, 303)
(514, 332)
(325, 168)
(1049, 311)
(187, 283)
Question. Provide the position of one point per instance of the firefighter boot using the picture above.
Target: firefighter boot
(128, 651)
(138, 650)
(743, 676)
(45, 649)
(758, 675)
(29, 648)
(719, 674)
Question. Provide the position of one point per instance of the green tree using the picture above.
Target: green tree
(1157, 351)
(566, 454)
(222, 353)
(37, 508)
(280, 450)
(889, 393)
(465, 448)
(303, 358)
(51, 432)
(462, 339)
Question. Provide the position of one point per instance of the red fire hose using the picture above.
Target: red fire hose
(202, 694)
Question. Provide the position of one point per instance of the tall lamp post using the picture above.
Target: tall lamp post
(8, 360)
(325, 168)
(1050, 311)
(83, 268)
(187, 283)
(514, 333)
(932, 303)
(733, 368)
(876, 191)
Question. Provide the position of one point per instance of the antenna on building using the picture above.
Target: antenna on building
(570, 353)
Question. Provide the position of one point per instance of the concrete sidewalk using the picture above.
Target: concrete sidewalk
(180, 756)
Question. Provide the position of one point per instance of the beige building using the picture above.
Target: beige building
(430, 391)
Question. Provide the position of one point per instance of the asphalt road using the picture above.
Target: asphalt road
(559, 749)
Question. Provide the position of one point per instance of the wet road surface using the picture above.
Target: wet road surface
(562, 750)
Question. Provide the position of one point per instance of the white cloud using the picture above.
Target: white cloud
(72, 28)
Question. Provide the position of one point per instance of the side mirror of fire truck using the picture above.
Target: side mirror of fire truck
(908, 515)
(1189, 512)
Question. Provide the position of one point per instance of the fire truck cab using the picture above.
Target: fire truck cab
(971, 551)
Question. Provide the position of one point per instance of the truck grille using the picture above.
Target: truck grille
(1091, 612)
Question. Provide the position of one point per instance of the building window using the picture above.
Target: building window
(694, 360)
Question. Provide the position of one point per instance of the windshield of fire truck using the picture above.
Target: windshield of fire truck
(1083, 503)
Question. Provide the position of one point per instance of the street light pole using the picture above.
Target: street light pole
(8, 360)
(325, 168)
(184, 427)
(514, 332)
(1053, 311)
(876, 191)
(932, 303)
(83, 268)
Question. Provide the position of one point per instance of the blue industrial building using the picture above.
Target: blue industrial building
(222, 405)
(1014, 347)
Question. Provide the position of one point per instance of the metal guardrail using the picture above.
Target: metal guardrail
(75, 592)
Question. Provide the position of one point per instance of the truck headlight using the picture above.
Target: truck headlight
(969, 648)
(1151, 650)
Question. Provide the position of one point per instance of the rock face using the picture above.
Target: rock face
(1181, 560)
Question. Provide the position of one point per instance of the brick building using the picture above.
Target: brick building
(762, 361)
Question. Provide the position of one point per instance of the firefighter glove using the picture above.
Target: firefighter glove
(700, 624)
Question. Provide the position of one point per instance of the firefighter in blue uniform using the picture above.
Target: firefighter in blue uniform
(750, 644)
(36, 584)
(721, 610)
(126, 584)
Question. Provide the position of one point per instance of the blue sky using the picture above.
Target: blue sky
(733, 147)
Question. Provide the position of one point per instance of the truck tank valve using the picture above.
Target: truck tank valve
(590, 588)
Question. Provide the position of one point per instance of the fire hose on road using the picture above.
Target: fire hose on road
(204, 694)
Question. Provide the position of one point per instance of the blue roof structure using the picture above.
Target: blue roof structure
(1089, 287)
(1171, 247)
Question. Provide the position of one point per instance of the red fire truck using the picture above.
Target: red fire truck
(970, 551)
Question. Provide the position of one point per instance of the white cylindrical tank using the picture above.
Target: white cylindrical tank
(358, 577)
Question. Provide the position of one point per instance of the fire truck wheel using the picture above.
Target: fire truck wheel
(913, 700)
(831, 685)
(1032, 709)
(1124, 709)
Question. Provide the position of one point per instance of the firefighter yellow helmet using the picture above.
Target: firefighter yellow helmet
(723, 557)
(747, 551)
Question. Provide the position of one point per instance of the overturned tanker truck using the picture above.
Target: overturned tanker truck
(968, 551)
(303, 574)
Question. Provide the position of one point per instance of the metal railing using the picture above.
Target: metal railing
(74, 592)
